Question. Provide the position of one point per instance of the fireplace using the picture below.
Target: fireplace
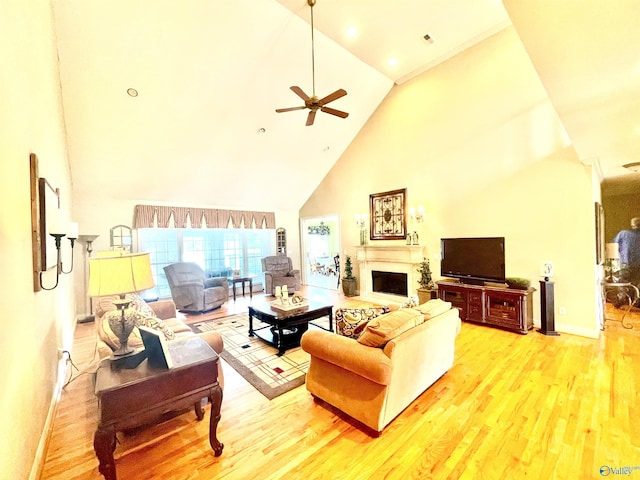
(393, 283)
(390, 259)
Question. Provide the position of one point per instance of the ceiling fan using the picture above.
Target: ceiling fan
(313, 103)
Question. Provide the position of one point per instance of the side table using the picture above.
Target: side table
(132, 397)
(241, 280)
(629, 290)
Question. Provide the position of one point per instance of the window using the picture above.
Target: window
(214, 249)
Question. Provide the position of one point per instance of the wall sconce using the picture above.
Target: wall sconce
(415, 216)
(362, 222)
(72, 235)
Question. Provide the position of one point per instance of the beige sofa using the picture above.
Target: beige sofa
(374, 384)
(161, 315)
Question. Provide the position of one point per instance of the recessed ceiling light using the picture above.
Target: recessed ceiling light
(132, 92)
(392, 62)
(352, 32)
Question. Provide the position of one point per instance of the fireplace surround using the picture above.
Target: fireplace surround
(388, 258)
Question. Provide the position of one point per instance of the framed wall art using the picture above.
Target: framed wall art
(45, 205)
(388, 215)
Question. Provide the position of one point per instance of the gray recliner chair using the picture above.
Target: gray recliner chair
(192, 291)
(278, 271)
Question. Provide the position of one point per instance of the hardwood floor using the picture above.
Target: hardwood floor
(513, 406)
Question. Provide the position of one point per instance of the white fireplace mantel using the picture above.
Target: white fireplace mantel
(388, 258)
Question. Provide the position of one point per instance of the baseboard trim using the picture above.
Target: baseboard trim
(43, 445)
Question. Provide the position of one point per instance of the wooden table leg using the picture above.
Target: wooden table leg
(215, 397)
(104, 443)
(250, 322)
(199, 411)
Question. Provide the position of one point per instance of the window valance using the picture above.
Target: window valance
(157, 216)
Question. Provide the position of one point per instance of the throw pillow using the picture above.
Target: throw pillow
(351, 321)
(157, 324)
(433, 308)
(388, 326)
(139, 305)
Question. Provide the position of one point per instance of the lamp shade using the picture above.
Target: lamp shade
(119, 274)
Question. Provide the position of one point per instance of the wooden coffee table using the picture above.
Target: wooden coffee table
(132, 397)
(284, 329)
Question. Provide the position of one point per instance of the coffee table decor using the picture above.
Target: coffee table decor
(291, 305)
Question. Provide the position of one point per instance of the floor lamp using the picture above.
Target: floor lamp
(88, 239)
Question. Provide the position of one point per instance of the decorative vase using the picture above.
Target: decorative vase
(121, 323)
(349, 287)
(424, 295)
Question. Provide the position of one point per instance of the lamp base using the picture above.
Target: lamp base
(123, 350)
(122, 326)
(128, 361)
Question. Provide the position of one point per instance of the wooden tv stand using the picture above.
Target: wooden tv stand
(506, 308)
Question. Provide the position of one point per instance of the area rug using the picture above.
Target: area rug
(258, 362)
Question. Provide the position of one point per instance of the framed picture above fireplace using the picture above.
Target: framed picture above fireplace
(388, 216)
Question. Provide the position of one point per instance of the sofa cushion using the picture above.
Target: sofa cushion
(350, 322)
(385, 327)
(433, 308)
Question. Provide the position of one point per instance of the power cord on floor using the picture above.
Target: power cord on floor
(86, 369)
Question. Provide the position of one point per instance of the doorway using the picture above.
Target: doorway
(320, 246)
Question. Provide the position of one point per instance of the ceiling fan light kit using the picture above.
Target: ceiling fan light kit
(313, 103)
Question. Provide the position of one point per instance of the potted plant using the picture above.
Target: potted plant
(348, 281)
(427, 286)
(518, 283)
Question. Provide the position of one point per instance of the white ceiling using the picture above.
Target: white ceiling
(210, 74)
(587, 54)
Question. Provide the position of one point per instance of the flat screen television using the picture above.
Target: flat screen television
(473, 260)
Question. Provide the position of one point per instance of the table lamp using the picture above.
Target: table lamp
(118, 273)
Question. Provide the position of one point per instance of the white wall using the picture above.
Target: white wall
(34, 325)
(478, 144)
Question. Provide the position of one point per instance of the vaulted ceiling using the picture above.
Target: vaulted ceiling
(209, 75)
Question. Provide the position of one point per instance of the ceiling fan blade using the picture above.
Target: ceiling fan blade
(290, 109)
(298, 91)
(311, 118)
(333, 111)
(332, 96)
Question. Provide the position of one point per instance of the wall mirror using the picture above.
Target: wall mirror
(121, 237)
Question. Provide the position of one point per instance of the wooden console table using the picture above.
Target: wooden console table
(506, 308)
(132, 397)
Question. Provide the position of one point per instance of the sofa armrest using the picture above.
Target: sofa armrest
(216, 282)
(368, 362)
(164, 309)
